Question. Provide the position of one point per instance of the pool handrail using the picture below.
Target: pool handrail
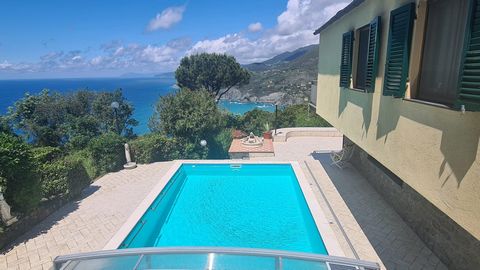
(61, 262)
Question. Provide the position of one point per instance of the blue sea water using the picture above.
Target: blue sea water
(141, 92)
(246, 206)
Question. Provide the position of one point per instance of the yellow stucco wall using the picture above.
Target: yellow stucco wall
(434, 150)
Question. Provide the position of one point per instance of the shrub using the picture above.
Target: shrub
(255, 120)
(63, 177)
(77, 176)
(191, 150)
(46, 154)
(107, 151)
(84, 157)
(154, 147)
(59, 175)
(219, 145)
(18, 174)
(298, 116)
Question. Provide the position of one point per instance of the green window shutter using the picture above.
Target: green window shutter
(469, 90)
(398, 50)
(346, 64)
(372, 55)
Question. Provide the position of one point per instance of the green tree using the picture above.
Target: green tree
(299, 116)
(40, 118)
(4, 125)
(187, 115)
(216, 73)
(18, 178)
(51, 119)
(118, 120)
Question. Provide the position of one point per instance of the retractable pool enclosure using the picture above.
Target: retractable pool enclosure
(206, 258)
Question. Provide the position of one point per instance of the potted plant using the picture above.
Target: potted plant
(268, 133)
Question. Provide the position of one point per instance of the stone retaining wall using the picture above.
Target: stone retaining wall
(457, 248)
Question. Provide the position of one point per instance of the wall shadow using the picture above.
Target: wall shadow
(43, 225)
(388, 116)
(360, 99)
(460, 133)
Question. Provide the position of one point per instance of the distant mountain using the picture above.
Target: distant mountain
(166, 75)
(280, 59)
(136, 75)
(286, 78)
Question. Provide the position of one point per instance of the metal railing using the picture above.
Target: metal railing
(206, 258)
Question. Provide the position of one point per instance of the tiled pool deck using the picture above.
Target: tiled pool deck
(374, 230)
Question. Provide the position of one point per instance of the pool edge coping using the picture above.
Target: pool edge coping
(323, 226)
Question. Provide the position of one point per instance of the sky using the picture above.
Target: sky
(108, 38)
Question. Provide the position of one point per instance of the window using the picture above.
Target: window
(346, 61)
(469, 92)
(372, 55)
(366, 57)
(442, 52)
(362, 53)
(398, 50)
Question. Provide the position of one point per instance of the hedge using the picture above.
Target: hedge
(18, 174)
(108, 152)
(153, 148)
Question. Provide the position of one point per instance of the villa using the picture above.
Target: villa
(400, 80)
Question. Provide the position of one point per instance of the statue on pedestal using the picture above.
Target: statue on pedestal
(5, 214)
(129, 164)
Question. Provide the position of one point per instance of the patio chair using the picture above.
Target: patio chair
(340, 158)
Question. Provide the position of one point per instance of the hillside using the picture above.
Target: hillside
(285, 78)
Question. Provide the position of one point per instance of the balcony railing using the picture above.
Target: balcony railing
(207, 258)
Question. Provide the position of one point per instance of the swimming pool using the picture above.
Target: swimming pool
(224, 215)
(237, 205)
(249, 205)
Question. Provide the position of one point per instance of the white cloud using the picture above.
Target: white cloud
(5, 65)
(158, 54)
(96, 60)
(167, 18)
(255, 27)
(294, 29)
(112, 57)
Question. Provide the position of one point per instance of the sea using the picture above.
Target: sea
(143, 93)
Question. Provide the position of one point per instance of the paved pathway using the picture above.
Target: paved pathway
(86, 224)
(375, 231)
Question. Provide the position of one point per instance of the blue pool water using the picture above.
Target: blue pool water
(254, 206)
